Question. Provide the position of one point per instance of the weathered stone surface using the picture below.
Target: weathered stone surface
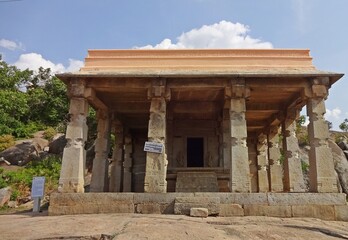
(196, 182)
(86, 203)
(306, 198)
(148, 208)
(231, 210)
(199, 212)
(115, 184)
(238, 198)
(346, 153)
(341, 165)
(127, 164)
(266, 210)
(5, 195)
(183, 205)
(262, 162)
(325, 212)
(341, 213)
(12, 204)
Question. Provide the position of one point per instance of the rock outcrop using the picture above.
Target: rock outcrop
(341, 165)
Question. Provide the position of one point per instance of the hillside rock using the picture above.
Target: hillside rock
(341, 165)
(58, 144)
(5, 195)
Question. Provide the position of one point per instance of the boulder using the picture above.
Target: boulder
(346, 153)
(341, 165)
(343, 145)
(57, 145)
(5, 195)
(20, 154)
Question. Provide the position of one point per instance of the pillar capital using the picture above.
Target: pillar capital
(237, 89)
(159, 89)
(76, 88)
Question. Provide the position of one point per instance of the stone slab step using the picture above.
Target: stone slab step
(183, 205)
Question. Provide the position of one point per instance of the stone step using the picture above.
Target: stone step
(196, 182)
(182, 205)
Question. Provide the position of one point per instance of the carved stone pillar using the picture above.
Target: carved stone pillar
(156, 163)
(240, 172)
(262, 162)
(74, 156)
(127, 164)
(116, 175)
(226, 135)
(293, 176)
(253, 164)
(274, 155)
(99, 181)
(321, 166)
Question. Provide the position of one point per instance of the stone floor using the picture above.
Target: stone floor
(138, 226)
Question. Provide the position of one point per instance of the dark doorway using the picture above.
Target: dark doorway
(195, 152)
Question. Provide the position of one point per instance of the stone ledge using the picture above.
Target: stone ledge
(324, 212)
(266, 210)
(306, 198)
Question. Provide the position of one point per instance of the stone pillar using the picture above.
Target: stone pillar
(116, 175)
(321, 166)
(293, 176)
(252, 152)
(262, 163)
(240, 172)
(226, 135)
(100, 178)
(74, 156)
(127, 164)
(274, 155)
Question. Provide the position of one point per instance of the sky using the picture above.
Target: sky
(58, 33)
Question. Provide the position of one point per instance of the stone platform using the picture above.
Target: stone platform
(326, 206)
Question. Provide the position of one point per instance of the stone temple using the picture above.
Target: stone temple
(199, 128)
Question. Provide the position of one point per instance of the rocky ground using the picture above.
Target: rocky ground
(137, 226)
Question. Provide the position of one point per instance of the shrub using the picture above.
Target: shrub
(6, 141)
(49, 133)
(21, 180)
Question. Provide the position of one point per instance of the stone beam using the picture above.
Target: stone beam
(92, 98)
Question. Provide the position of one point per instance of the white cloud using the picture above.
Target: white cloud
(334, 113)
(74, 65)
(10, 45)
(219, 35)
(34, 61)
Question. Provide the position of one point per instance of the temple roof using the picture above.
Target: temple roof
(200, 62)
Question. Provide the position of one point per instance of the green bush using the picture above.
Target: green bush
(21, 180)
(49, 133)
(6, 141)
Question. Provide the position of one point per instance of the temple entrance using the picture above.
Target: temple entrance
(195, 152)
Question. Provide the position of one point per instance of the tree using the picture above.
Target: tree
(344, 125)
(30, 101)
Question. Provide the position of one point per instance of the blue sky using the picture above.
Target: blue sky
(57, 33)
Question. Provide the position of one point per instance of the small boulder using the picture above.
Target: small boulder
(199, 212)
(5, 195)
(12, 204)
